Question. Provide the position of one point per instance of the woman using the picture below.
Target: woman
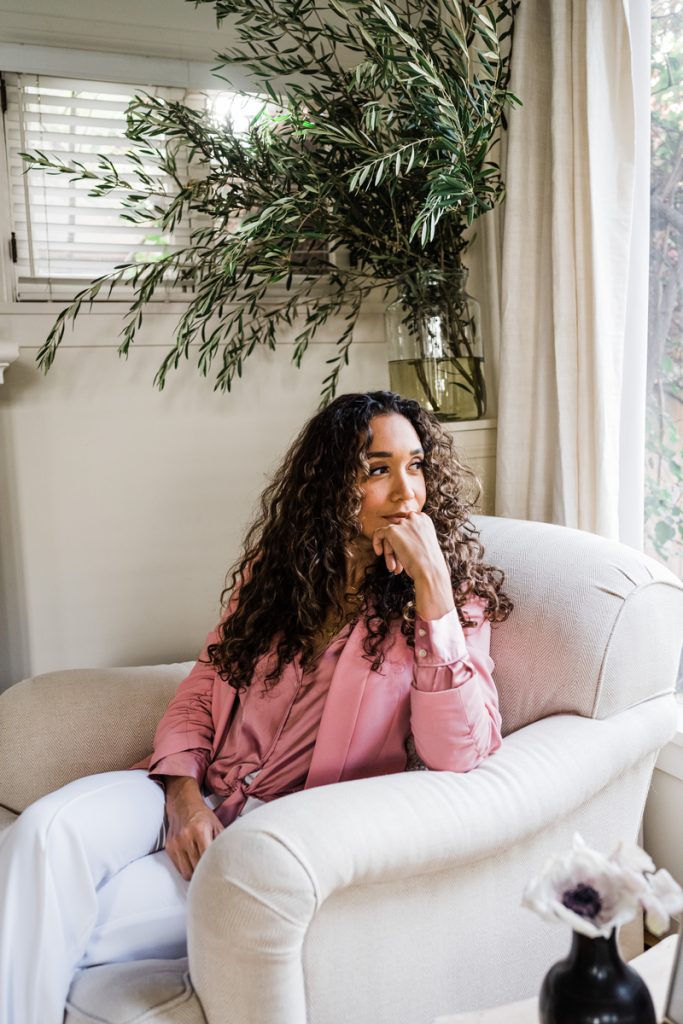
(356, 636)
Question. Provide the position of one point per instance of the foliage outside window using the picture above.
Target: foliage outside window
(664, 445)
(664, 503)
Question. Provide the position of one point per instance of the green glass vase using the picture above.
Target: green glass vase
(433, 333)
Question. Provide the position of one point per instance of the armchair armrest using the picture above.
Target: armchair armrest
(258, 887)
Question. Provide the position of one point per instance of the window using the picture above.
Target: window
(664, 452)
(63, 237)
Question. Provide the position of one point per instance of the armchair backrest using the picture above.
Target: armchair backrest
(61, 726)
(597, 625)
(596, 628)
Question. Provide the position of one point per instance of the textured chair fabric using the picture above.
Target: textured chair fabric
(6, 819)
(153, 991)
(596, 623)
(394, 899)
(81, 722)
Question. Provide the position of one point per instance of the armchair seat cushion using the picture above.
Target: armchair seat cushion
(135, 992)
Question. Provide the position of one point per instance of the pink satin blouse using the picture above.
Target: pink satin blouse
(347, 721)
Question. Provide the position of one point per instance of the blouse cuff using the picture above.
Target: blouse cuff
(185, 762)
(439, 641)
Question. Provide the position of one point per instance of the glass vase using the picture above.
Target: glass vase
(593, 985)
(433, 334)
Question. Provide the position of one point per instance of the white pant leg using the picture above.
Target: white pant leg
(52, 862)
(142, 914)
(142, 910)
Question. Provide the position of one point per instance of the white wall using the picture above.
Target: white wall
(122, 507)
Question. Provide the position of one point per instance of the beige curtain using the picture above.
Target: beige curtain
(557, 270)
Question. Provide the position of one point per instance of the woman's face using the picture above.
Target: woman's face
(396, 484)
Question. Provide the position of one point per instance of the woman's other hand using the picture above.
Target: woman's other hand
(192, 826)
(410, 543)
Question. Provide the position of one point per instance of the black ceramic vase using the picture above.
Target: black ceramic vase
(594, 986)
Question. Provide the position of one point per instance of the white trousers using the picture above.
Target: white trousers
(84, 880)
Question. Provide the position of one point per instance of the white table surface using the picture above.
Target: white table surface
(654, 966)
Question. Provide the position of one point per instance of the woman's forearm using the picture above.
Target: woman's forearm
(182, 791)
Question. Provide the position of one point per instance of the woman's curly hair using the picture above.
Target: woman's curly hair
(292, 569)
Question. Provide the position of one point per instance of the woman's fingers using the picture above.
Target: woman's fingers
(180, 860)
(188, 855)
(384, 549)
(189, 838)
(194, 853)
(201, 840)
(393, 562)
(389, 556)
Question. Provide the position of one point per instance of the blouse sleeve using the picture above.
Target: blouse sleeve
(454, 704)
(183, 741)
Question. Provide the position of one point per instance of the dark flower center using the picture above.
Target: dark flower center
(584, 900)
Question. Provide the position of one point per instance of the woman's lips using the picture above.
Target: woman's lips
(395, 518)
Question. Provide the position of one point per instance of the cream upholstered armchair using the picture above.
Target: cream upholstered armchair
(392, 900)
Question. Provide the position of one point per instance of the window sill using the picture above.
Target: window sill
(115, 308)
(458, 426)
(51, 309)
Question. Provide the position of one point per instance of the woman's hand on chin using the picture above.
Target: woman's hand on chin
(192, 826)
(411, 545)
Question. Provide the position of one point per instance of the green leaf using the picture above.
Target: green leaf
(664, 532)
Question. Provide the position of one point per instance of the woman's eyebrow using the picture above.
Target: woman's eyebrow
(388, 455)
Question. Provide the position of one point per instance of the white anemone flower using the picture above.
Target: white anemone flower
(594, 893)
(663, 898)
(632, 858)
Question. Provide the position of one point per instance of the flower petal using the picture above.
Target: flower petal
(656, 916)
(632, 858)
(664, 897)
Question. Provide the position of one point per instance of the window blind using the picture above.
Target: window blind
(64, 237)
